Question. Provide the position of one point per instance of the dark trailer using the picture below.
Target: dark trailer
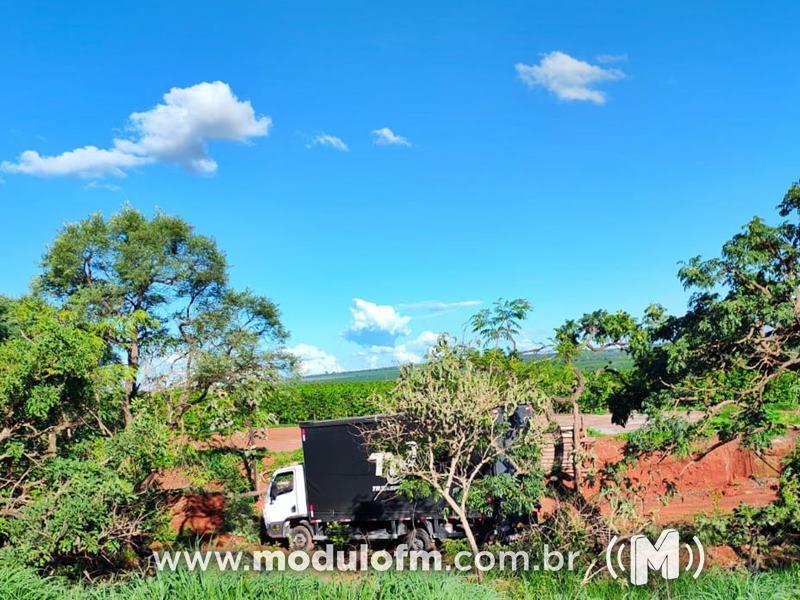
(345, 481)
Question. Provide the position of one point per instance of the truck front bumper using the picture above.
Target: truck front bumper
(278, 529)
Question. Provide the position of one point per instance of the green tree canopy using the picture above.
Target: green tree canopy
(160, 294)
(500, 323)
(53, 380)
(737, 348)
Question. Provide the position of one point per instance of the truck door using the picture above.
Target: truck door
(282, 500)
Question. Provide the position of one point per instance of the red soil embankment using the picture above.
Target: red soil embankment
(203, 513)
(717, 479)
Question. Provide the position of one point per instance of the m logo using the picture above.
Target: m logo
(643, 556)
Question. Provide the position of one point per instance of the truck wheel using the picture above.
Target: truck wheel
(300, 538)
(419, 539)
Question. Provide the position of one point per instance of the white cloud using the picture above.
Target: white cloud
(432, 308)
(87, 162)
(379, 329)
(325, 139)
(314, 361)
(567, 77)
(386, 137)
(397, 355)
(176, 131)
(96, 185)
(425, 340)
(410, 352)
(611, 58)
(375, 324)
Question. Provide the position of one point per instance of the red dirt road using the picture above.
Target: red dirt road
(283, 439)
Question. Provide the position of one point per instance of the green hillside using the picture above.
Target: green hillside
(383, 374)
(588, 361)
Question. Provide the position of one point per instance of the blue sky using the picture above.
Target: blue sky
(569, 153)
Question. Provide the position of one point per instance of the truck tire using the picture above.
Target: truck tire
(300, 538)
(419, 539)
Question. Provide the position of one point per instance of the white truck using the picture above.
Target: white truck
(342, 482)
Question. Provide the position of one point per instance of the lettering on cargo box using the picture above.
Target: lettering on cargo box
(388, 466)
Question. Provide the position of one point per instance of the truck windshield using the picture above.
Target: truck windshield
(281, 484)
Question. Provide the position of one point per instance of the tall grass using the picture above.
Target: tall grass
(21, 584)
(712, 585)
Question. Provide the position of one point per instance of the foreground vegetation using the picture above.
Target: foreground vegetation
(20, 584)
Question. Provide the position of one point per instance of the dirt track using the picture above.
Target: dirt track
(283, 439)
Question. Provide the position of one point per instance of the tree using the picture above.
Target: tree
(223, 351)
(736, 350)
(133, 335)
(500, 323)
(160, 291)
(53, 382)
(5, 325)
(599, 330)
(452, 423)
(73, 484)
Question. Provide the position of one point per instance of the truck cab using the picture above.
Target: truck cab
(285, 507)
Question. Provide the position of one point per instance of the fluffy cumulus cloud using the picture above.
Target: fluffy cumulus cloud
(567, 77)
(425, 340)
(325, 139)
(386, 137)
(314, 361)
(175, 131)
(87, 162)
(375, 324)
(396, 355)
(411, 351)
(384, 335)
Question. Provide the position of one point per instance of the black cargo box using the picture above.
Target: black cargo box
(341, 481)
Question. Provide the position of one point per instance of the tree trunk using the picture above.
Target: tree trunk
(461, 513)
(473, 543)
(576, 427)
(250, 442)
(131, 387)
(176, 418)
